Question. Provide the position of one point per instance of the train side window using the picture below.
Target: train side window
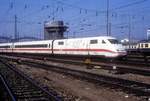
(31, 46)
(141, 45)
(4, 46)
(93, 41)
(61, 43)
(146, 45)
(103, 42)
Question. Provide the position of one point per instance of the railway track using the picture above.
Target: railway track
(102, 65)
(19, 87)
(133, 60)
(131, 87)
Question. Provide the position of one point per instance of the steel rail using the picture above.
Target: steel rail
(105, 65)
(138, 88)
(8, 89)
(31, 82)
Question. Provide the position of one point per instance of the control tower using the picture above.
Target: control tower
(54, 30)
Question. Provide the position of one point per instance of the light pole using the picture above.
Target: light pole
(129, 33)
(16, 36)
(108, 24)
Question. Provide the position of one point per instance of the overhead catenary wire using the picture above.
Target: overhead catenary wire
(84, 11)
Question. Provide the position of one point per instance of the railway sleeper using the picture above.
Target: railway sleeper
(28, 92)
(29, 95)
(33, 99)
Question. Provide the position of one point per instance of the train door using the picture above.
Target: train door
(49, 48)
(59, 47)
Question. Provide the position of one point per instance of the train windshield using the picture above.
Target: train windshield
(114, 41)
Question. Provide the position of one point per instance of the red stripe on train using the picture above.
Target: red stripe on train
(47, 49)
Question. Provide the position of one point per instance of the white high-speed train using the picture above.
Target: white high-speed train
(93, 46)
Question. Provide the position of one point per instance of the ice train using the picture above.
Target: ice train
(94, 46)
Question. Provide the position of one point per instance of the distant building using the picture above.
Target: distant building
(148, 34)
(54, 30)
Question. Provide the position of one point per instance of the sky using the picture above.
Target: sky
(85, 18)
